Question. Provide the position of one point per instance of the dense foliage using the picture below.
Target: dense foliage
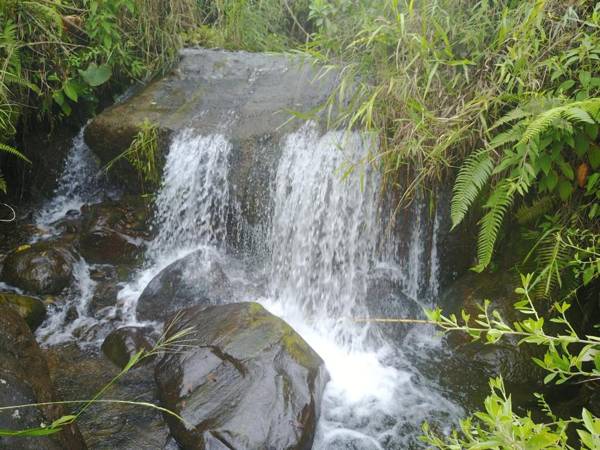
(56, 56)
(505, 93)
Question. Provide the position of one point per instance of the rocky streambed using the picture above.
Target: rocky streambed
(241, 277)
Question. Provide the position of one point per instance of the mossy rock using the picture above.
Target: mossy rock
(29, 308)
(41, 268)
(242, 360)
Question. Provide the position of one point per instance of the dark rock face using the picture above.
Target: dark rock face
(121, 344)
(79, 374)
(40, 268)
(504, 358)
(249, 382)
(113, 232)
(196, 279)
(29, 308)
(24, 378)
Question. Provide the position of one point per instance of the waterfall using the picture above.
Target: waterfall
(78, 184)
(191, 207)
(324, 244)
(324, 231)
(192, 204)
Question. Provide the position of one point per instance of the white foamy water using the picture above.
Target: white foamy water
(191, 207)
(324, 243)
(69, 318)
(77, 185)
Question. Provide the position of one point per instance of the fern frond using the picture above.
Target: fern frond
(552, 257)
(585, 111)
(472, 176)
(515, 114)
(527, 214)
(2, 184)
(507, 137)
(489, 226)
(13, 151)
(541, 124)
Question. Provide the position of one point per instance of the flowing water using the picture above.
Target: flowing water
(78, 184)
(324, 238)
(324, 244)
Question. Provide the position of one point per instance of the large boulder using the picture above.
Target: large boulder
(80, 373)
(24, 379)
(246, 380)
(113, 232)
(196, 279)
(40, 268)
(29, 308)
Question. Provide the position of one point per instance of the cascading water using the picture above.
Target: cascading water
(324, 244)
(191, 207)
(78, 184)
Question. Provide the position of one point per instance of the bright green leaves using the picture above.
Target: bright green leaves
(96, 75)
(590, 438)
(472, 177)
(568, 356)
(547, 148)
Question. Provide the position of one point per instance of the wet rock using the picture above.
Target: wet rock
(386, 300)
(504, 358)
(201, 93)
(80, 374)
(120, 345)
(113, 232)
(29, 308)
(40, 268)
(105, 296)
(196, 279)
(24, 378)
(249, 381)
(106, 289)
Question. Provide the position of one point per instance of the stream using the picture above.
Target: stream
(251, 207)
(323, 258)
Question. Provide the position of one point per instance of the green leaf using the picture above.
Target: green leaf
(552, 180)
(70, 90)
(588, 275)
(591, 130)
(565, 189)
(96, 75)
(585, 77)
(567, 170)
(594, 156)
(582, 144)
(545, 163)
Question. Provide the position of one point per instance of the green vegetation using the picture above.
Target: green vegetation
(503, 94)
(568, 356)
(142, 155)
(57, 57)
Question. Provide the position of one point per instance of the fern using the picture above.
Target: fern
(497, 205)
(473, 175)
(13, 151)
(528, 214)
(552, 257)
(2, 184)
(581, 111)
